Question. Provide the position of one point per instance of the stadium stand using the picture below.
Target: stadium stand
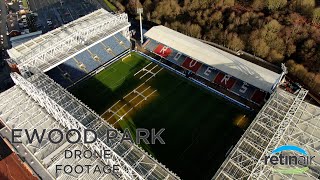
(37, 102)
(85, 58)
(59, 45)
(102, 53)
(77, 48)
(235, 66)
(87, 61)
(114, 45)
(59, 76)
(122, 40)
(285, 119)
(214, 73)
(72, 69)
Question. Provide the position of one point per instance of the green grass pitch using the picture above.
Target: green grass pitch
(199, 125)
(111, 84)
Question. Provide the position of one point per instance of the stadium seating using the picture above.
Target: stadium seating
(258, 96)
(243, 89)
(72, 70)
(120, 37)
(176, 57)
(86, 58)
(212, 75)
(114, 45)
(151, 45)
(57, 76)
(207, 72)
(100, 51)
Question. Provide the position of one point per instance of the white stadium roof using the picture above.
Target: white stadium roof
(53, 48)
(214, 57)
(286, 119)
(40, 103)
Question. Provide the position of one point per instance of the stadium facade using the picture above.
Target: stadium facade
(81, 48)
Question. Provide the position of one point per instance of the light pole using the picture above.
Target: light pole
(140, 11)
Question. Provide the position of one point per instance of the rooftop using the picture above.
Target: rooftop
(53, 48)
(216, 58)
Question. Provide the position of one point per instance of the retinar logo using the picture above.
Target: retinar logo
(281, 161)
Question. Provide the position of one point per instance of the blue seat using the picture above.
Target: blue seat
(126, 42)
(100, 51)
(243, 89)
(58, 77)
(88, 61)
(71, 67)
(114, 45)
(151, 45)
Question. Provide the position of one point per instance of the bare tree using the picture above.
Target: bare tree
(274, 5)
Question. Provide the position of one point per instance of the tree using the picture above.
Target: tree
(133, 5)
(275, 56)
(215, 18)
(167, 9)
(291, 48)
(228, 2)
(260, 48)
(245, 17)
(119, 6)
(258, 4)
(274, 5)
(193, 30)
(234, 42)
(273, 26)
(148, 5)
(306, 6)
(316, 15)
(317, 83)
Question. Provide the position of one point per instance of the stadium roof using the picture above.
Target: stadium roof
(214, 57)
(39, 103)
(53, 48)
(18, 110)
(286, 119)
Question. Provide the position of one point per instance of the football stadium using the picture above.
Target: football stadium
(222, 115)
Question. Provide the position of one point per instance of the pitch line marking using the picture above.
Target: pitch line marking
(153, 75)
(148, 71)
(143, 69)
(139, 93)
(116, 112)
(134, 91)
(121, 118)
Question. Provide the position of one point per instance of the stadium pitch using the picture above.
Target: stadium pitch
(200, 126)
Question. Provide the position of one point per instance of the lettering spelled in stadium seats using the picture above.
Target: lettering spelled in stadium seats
(163, 51)
(207, 72)
(225, 80)
(244, 88)
(191, 64)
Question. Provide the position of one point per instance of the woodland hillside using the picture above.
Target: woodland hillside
(279, 31)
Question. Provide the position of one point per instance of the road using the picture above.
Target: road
(3, 29)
